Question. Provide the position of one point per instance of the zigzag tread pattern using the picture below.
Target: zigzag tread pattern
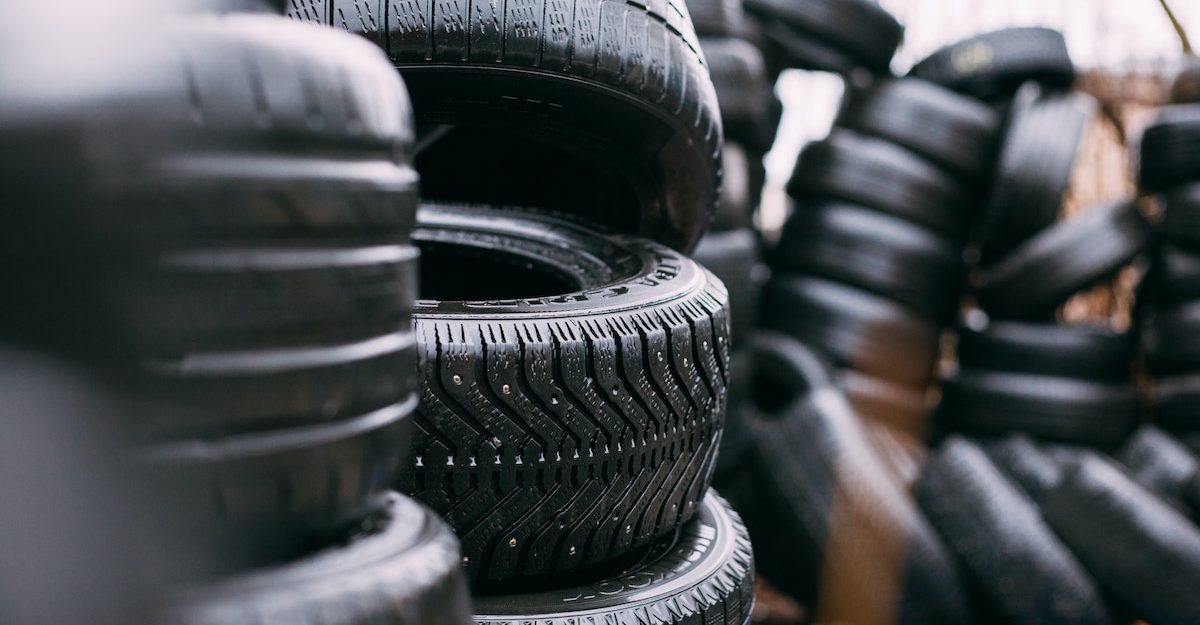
(552, 445)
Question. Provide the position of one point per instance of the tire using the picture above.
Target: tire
(1057, 409)
(1145, 555)
(1025, 464)
(976, 510)
(1068, 351)
(956, 132)
(1169, 155)
(733, 257)
(883, 176)
(991, 66)
(1063, 260)
(1173, 278)
(402, 568)
(744, 92)
(1162, 465)
(784, 48)
(1033, 170)
(863, 248)
(864, 542)
(703, 575)
(854, 328)
(740, 192)
(716, 18)
(608, 114)
(1173, 402)
(1181, 216)
(898, 407)
(861, 30)
(574, 378)
(1169, 340)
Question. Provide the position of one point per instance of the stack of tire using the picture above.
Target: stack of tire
(211, 221)
(573, 361)
(1018, 368)
(1170, 303)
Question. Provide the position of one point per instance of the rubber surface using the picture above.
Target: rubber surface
(855, 328)
(1145, 555)
(1070, 351)
(605, 109)
(954, 131)
(1008, 554)
(1062, 260)
(863, 248)
(859, 29)
(1033, 169)
(402, 567)
(1170, 148)
(1025, 464)
(1173, 402)
(716, 18)
(703, 574)
(1162, 465)
(992, 65)
(733, 257)
(745, 93)
(1173, 277)
(883, 176)
(573, 389)
(1181, 216)
(1060, 409)
(1169, 339)
(832, 527)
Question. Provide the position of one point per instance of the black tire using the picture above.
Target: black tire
(1025, 464)
(883, 176)
(1144, 554)
(574, 379)
(873, 251)
(1170, 149)
(897, 406)
(1033, 171)
(402, 567)
(861, 30)
(992, 65)
(744, 92)
(997, 534)
(825, 512)
(1057, 409)
(740, 191)
(784, 47)
(958, 133)
(1060, 261)
(1162, 465)
(716, 18)
(854, 328)
(1174, 277)
(705, 574)
(733, 257)
(1173, 401)
(609, 114)
(1181, 216)
(1069, 351)
(1169, 339)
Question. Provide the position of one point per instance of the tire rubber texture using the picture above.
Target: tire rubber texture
(1145, 555)
(1173, 401)
(854, 328)
(1069, 351)
(897, 406)
(603, 110)
(1162, 465)
(545, 415)
(716, 18)
(1025, 464)
(1008, 554)
(825, 511)
(1033, 169)
(863, 248)
(1181, 216)
(1169, 339)
(403, 567)
(957, 132)
(1174, 276)
(861, 30)
(1170, 149)
(745, 93)
(991, 66)
(1060, 261)
(884, 176)
(1058, 409)
(733, 257)
(702, 574)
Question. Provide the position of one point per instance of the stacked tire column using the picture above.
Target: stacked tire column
(573, 360)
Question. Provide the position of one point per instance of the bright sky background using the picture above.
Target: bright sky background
(1116, 34)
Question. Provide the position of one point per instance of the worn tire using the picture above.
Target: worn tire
(954, 131)
(992, 65)
(401, 567)
(704, 574)
(1009, 555)
(860, 30)
(575, 378)
(744, 91)
(1069, 351)
(604, 110)
(716, 18)
(884, 176)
